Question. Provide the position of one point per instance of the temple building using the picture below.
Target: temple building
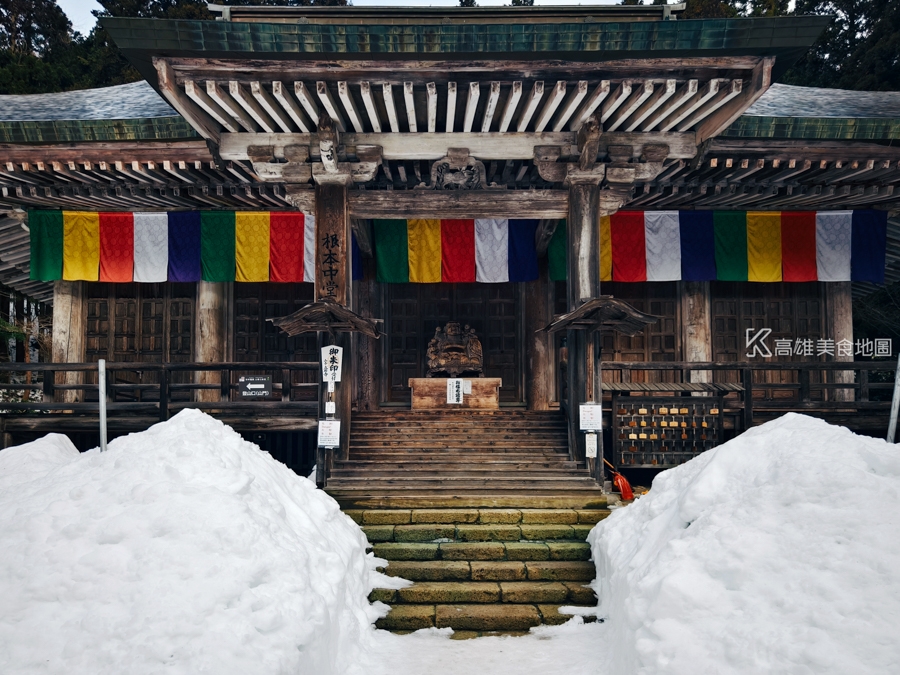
(538, 208)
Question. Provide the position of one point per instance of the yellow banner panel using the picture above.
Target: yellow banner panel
(81, 246)
(424, 242)
(605, 250)
(251, 246)
(764, 246)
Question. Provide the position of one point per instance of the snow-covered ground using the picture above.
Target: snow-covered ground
(778, 552)
(186, 550)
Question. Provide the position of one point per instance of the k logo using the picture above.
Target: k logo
(756, 343)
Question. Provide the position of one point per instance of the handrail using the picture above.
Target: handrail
(160, 396)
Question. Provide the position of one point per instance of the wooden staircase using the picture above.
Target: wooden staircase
(482, 510)
(459, 452)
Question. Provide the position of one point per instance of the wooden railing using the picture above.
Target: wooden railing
(826, 388)
(154, 389)
(856, 394)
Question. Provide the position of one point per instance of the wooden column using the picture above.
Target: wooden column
(68, 333)
(539, 345)
(583, 281)
(840, 327)
(332, 284)
(367, 349)
(696, 330)
(209, 336)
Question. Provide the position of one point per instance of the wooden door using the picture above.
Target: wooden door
(793, 311)
(660, 341)
(414, 311)
(141, 323)
(255, 338)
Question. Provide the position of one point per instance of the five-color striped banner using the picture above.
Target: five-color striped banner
(455, 251)
(763, 246)
(635, 246)
(174, 246)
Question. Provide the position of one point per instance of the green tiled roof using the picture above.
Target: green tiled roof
(812, 128)
(786, 37)
(73, 131)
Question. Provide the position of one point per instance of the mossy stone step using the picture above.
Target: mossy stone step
(491, 570)
(486, 592)
(481, 551)
(432, 532)
(473, 516)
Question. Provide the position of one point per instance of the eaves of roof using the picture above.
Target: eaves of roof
(787, 38)
(815, 128)
(88, 131)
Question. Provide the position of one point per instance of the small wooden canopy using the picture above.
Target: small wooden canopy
(603, 312)
(328, 317)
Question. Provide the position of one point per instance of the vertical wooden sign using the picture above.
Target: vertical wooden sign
(332, 277)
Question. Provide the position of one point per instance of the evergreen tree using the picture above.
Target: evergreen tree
(859, 50)
(467, 3)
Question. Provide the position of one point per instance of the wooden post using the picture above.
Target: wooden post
(366, 300)
(332, 284)
(840, 328)
(539, 345)
(696, 334)
(209, 336)
(68, 333)
(583, 282)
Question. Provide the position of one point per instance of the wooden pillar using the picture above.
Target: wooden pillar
(696, 329)
(366, 349)
(209, 336)
(332, 284)
(68, 333)
(840, 328)
(583, 283)
(539, 345)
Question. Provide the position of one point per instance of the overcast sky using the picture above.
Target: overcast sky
(79, 11)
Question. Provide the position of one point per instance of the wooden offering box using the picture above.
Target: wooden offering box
(661, 432)
(430, 393)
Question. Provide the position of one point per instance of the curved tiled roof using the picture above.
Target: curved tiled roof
(122, 102)
(784, 100)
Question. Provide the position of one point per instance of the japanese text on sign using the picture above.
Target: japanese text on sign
(331, 261)
(329, 433)
(590, 416)
(455, 391)
(331, 363)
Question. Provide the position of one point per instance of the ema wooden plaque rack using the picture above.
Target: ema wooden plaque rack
(659, 432)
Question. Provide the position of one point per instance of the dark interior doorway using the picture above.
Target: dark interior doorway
(415, 310)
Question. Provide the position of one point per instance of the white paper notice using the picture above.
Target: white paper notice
(590, 448)
(591, 417)
(331, 363)
(455, 391)
(329, 433)
(467, 386)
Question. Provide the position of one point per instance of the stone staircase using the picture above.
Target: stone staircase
(484, 512)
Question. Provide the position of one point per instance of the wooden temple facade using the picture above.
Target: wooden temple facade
(572, 123)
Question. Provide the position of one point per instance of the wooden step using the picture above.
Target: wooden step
(522, 483)
(378, 470)
(353, 500)
(456, 459)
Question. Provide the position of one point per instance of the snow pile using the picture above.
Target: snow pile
(183, 549)
(777, 552)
